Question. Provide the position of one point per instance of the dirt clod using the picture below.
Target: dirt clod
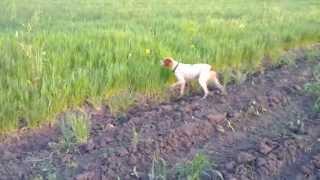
(316, 161)
(220, 129)
(91, 175)
(244, 157)
(216, 118)
(265, 146)
(230, 165)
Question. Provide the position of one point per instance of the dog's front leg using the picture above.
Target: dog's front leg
(182, 82)
(182, 87)
(222, 88)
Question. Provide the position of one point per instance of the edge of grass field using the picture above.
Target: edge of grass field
(118, 101)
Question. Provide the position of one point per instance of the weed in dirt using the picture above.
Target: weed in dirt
(239, 77)
(312, 54)
(48, 177)
(135, 138)
(46, 168)
(314, 87)
(67, 135)
(316, 73)
(286, 59)
(199, 167)
(158, 168)
(75, 129)
(120, 102)
(80, 126)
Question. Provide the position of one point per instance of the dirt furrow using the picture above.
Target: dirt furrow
(262, 129)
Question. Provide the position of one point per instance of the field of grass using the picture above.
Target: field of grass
(55, 54)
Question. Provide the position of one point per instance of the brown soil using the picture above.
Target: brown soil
(263, 129)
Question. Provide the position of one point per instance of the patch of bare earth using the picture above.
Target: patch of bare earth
(263, 129)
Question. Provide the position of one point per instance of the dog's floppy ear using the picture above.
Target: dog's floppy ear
(167, 62)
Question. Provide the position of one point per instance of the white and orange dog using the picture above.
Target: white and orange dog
(187, 72)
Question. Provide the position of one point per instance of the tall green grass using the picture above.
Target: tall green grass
(56, 54)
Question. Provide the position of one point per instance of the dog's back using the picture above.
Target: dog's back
(192, 71)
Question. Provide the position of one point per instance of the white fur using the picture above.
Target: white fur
(202, 72)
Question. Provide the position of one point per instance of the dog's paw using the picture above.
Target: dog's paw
(176, 98)
(180, 96)
(205, 96)
(224, 93)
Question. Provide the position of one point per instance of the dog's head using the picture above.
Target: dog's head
(167, 62)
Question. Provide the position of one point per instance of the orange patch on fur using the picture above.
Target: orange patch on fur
(167, 62)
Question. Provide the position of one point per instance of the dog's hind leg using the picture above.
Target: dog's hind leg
(214, 78)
